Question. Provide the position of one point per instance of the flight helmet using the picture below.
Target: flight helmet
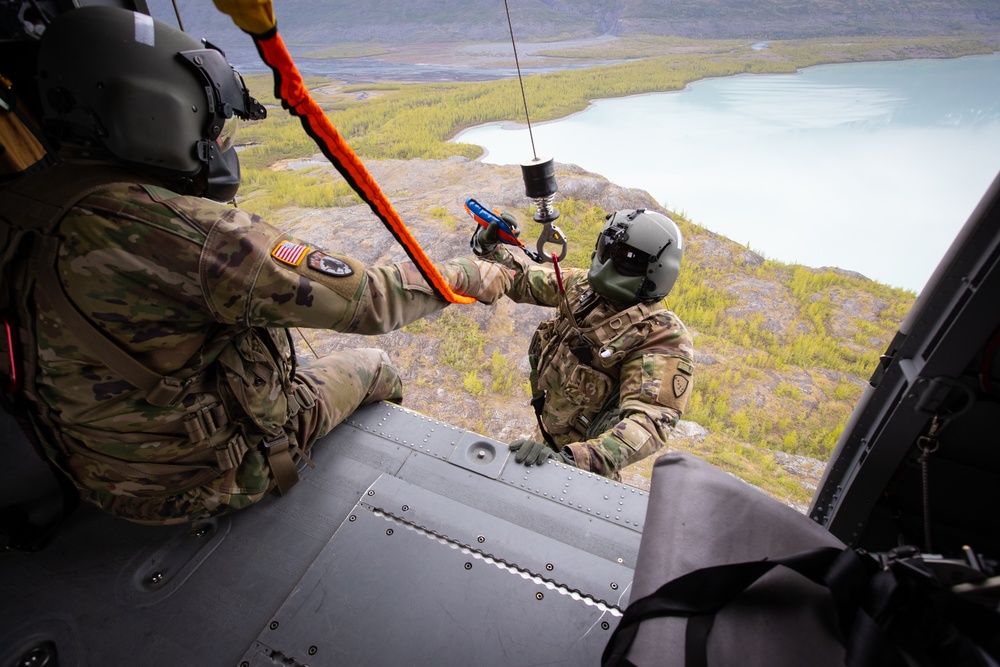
(144, 93)
(637, 258)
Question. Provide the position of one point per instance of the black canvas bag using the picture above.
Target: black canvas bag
(728, 576)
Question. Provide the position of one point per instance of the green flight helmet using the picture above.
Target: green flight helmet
(119, 84)
(637, 258)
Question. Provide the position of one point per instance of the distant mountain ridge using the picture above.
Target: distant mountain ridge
(320, 22)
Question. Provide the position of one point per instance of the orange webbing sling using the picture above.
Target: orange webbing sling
(256, 17)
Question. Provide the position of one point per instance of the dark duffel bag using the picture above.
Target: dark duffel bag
(728, 576)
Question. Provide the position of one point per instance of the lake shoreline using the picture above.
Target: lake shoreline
(815, 164)
(512, 125)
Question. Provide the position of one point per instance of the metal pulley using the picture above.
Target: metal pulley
(539, 177)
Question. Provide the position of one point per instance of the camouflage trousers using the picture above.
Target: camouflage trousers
(341, 383)
(338, 384)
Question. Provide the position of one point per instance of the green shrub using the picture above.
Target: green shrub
(473, 384)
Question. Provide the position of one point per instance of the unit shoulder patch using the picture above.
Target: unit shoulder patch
(680, 385)
(290, 253)
(331, 266)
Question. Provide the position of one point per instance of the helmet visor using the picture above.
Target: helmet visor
(227, 137)
(627, 260)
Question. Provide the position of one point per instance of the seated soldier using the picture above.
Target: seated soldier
(611, 373)
(158, 369)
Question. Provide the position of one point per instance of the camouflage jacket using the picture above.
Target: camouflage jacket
(614, 381)
(201, 292)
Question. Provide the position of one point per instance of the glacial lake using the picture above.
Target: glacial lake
(869, 167)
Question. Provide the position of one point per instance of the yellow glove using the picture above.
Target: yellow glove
(253, 16)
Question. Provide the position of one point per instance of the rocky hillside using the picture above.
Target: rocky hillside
(753, 396)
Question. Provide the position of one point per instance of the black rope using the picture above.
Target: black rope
(520, 81)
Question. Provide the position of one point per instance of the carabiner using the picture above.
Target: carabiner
(551, 234)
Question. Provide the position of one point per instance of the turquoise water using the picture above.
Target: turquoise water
(871, 167)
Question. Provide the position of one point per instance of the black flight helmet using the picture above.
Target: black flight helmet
(147, 94)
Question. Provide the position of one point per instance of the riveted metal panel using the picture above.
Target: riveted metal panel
(545, 515)
(596, 495)
(405, 427)
(568, 565)
(386, 592)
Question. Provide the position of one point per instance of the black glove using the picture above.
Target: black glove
(532, 452)
(485, 239)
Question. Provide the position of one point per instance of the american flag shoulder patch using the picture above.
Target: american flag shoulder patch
(290, 253)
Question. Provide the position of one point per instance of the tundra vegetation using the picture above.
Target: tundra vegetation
(784, 351)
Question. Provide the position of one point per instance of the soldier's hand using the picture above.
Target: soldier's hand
(511, 222)
(485, 239)
(532, 452)
(494, 281)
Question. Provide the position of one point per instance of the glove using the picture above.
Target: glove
(532, 452)
(485, 239)
(254, 16)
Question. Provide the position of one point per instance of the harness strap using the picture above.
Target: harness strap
(161, 391)
(701, 594)
(279, 458)
(538, 403)
(876, 609)
(42, 198)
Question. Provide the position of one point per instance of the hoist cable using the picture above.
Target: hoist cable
(520, 80)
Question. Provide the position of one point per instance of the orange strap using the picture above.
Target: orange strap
(289, 87)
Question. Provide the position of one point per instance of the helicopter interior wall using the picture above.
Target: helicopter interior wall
(943, 365)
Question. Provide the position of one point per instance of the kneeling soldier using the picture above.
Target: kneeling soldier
(611, 373)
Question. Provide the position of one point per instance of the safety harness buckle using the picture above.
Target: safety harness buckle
(168, 392)
(300, 399)
(274, 447)
(279, 459)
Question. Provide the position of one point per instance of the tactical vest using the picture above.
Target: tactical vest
(576, 360)
(246, 396)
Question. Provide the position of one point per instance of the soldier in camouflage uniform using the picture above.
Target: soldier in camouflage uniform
(166, 386)
(611, 373)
